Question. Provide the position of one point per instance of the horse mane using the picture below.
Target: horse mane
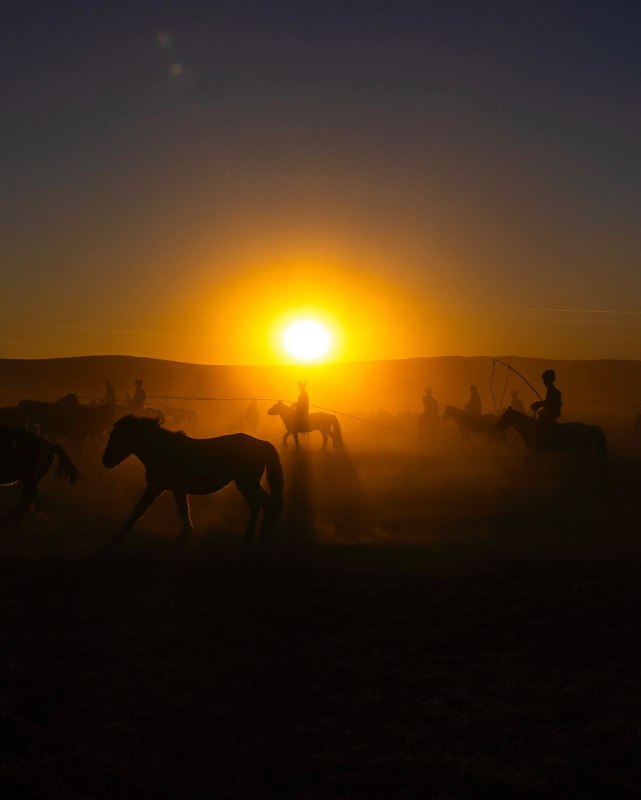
(147, 425)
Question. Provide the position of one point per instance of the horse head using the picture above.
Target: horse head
(68, 401)
(506, 420)
(124, 437)
(277, 408)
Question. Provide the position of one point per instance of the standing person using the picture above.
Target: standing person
(474, 403)
(301, 408)
(516, 402)
(137, 402)
(252, 416)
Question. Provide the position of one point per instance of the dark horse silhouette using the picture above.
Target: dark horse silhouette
(25, 459)
(177, 463)
(327, 424)
(68, 419)
(588, 441)
(473, 423)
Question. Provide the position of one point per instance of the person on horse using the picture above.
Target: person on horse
(428, 421)
(430, 403)
(474, 404)
(110, 395)
(137, 402)
(548, 410)
(301, 408)
(516, 403)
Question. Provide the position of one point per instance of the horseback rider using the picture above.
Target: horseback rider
(474, 404)
(548, 410)
(430, 403)
(137, 402)
(428, 421)
(109, 398)
(516, 402)
(301, 408)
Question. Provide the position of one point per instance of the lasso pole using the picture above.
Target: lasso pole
(525, 380)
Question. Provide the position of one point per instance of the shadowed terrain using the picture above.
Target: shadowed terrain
(426, 620)
(421, 624)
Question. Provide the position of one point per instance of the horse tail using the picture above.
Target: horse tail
(337, 434)
(274, 479)
(66, 469)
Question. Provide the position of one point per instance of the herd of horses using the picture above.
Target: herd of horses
(30, 433)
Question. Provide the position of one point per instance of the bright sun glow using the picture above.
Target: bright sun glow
(306, 340)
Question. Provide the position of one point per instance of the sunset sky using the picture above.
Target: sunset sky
(180, 179)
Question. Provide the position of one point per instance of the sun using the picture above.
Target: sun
(307, 340)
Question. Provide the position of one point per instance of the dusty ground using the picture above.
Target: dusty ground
(421, 625)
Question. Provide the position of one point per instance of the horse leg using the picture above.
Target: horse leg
(324, 435)
(148, 497)
(285, 435)
(12, 519)
(295, 435)
(44, 464)
(182, 501)
(270, 513)
(251, 493)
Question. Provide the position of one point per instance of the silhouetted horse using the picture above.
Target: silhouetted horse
(26, 458)
(13, 417)
(177, 463)
(588, 441)
(68, 419)
(473, 423)
(327, 424)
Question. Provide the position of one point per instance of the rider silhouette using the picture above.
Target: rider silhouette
(549, 409)
(301, 408)
(430, 403)
(474, 404)
(110, 395)
(428, 421)
(516, 402)
(137, 402)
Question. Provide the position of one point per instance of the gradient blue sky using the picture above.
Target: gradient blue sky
(161, 162)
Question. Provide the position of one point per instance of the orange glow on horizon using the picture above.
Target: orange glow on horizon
(365, 316)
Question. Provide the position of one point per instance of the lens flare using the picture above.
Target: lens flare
(306, 340)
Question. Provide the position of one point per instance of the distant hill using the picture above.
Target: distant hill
(590, 388)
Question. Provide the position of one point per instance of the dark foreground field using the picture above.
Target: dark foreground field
(420, 626)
